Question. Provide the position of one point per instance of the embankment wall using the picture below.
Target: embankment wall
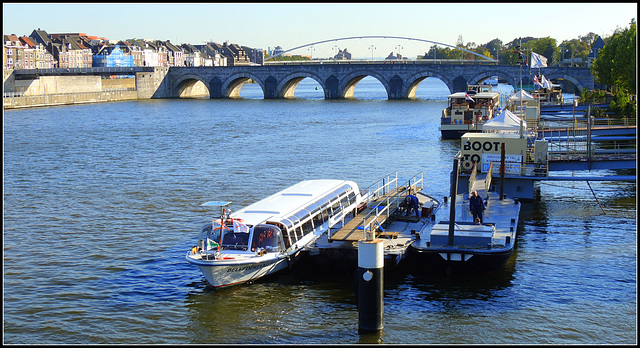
(67, 99)
(66, 90)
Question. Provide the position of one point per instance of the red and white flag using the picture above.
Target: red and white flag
(468, 98)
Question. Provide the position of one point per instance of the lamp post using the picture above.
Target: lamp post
(336, 48)
(372, 47)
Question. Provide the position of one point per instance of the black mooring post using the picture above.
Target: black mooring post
(454, 193)
(370, 285)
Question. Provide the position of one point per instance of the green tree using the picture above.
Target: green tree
(615, 64)
(495, 48)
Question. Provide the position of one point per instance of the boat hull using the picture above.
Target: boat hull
(453, 133)
(221, 274)
(444, 259)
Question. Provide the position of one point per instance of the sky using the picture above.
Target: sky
(290, 25)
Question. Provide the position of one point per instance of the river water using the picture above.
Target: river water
(102, 202)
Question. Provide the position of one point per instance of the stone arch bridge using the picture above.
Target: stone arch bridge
(339, 78)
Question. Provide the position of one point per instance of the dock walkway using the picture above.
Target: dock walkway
(387, 204)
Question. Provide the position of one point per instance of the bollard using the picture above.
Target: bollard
(370, 285)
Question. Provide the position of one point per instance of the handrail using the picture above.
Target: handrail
(472, 177)
(487, 180)
(382, 184)
(392, 200)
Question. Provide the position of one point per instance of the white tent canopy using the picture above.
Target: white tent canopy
(521, 95)
(506, 122)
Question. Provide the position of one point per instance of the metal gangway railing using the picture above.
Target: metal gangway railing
(381, 187)
(388, 204)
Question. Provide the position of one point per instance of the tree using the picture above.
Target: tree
(615, 64)
(589, 39)
(495, 47)
(545, 47)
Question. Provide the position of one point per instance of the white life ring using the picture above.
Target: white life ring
(485, 117)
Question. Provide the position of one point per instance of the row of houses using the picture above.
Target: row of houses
(41, 50)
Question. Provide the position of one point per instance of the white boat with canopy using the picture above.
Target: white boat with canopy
(267, 236)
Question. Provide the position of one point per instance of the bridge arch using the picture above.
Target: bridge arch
(187, 87)
(415, 80)
(577, 86)
(482, 75)
(233, 84)
(349, 82)
(287, 86)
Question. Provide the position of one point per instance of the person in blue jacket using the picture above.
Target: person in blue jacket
(411, 202)
(476, 206)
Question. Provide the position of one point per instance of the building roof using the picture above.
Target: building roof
(41, 36)
(28, 41)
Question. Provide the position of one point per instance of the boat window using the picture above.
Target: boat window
(288, 233)
(340, 191)
(313, 208)
(325, 214)
(336, 208)
(352, 197)
(268, 237)
(214, 234)
(235, 241)
(344, 201)
(317, 219)
(302, 215)
(307, 227)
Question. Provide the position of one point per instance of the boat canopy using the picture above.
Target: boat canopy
(506, 122)
(297, 202)
(521, 95)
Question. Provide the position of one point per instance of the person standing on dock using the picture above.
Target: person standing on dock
(476, 206)
(411, 203)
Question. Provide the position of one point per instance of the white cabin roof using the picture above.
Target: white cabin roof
(290, 200)
(486, 95)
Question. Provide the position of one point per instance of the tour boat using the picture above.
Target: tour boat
(267, 236)
(468, 111)
(455, 241)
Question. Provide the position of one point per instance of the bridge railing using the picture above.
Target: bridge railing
(378, 61)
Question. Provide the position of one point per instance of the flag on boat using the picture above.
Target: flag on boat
(211, 244)
(538, 61)
(546, 83)
(468, 98)
(536, 81)
(239, 226)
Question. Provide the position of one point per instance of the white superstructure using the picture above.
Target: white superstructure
(266, 236)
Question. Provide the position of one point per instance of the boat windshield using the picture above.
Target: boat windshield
(268, 237)
(208, 232)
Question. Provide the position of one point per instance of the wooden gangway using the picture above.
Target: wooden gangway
(368, 218)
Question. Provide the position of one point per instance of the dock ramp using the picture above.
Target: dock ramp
(379, 209)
